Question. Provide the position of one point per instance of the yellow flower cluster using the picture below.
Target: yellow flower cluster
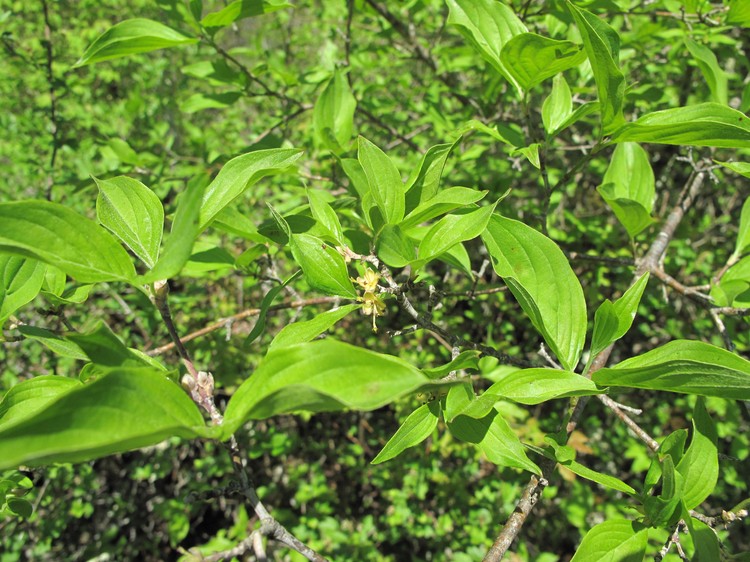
(373, 304)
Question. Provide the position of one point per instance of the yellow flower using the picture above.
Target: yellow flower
(369, 282)
(373, 306)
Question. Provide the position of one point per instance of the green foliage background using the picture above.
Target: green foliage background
(168, 116)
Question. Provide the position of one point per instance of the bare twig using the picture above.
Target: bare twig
(247, 313)
(652, 443)
(200, 385)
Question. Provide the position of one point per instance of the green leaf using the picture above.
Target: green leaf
(603, 48)
(179, 245)
(664, 510)
(452, 229)
(322, 375)
(531, 59)
(558, 106)
(712, 72)
(200, 102)
(133, 213)
(394, 247)
(31, 396)
(385, 183)
(734, 285)
(706, 124)
(20, 507)
(138, 35)
(239, 9)
(120, 411)
(705, 541)
(534, 386)
(739, 13)
(541, 279)
(614, 540)
(324, 268)
(583, 471)
(58, 236)
(458, 398)
(424, 182)
(487, 26)
(500, 132)
(628, 187)
(333, 115)
(743, 234)
(265, 305)
(684, 366)
(61, 346)
(103, 347)
(21, 280)
(579, 113)
(495, 439)
(612, 321)
(444, 202)
(301, 332)
(239, 174)
(418, 426)
(699, 465)
(465, 360)
(324, 214)
(742, 168)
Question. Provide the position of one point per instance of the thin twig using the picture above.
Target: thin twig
(54, 125)
(247, 313)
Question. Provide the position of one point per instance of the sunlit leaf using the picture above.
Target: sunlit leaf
(138, 35)
(58, 236)
(689, 367)
(540, 277)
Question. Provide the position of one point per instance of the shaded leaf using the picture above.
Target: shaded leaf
(270, 296)
(31, 396)
(495, 439)
(394, 247)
